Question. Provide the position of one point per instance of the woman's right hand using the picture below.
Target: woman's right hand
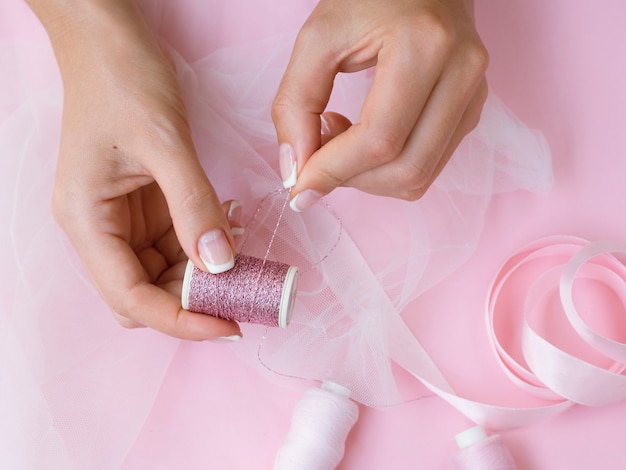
(427, 94)
(130, 192)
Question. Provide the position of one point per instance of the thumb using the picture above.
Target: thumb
(301, 98)
(198, 217)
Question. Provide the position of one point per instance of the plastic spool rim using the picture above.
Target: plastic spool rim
(336, 388)
(288, 296)
(470, 436)
(184, 295)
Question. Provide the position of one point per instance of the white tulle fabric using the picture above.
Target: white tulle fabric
(69, 374)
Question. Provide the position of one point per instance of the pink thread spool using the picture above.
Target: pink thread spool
(479, 452)
(253, 291)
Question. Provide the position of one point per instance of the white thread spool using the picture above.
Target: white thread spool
(479, 452)
(320, 424)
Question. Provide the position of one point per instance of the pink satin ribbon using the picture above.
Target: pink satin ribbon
(558, 375)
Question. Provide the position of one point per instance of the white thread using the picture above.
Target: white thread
(320, 424)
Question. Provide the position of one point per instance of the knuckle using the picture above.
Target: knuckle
(124, 304)
(412, 195)
(167, 134)
(329, 178)
(477, 58)
(312, 30)
(197, 200)
(411, 181)
(419, 177)
(125, 322)
(436, 26)
(415, 178)
(280, 106)
(317, 29)
(384, 146)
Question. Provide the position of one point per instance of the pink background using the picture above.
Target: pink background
(560, 66)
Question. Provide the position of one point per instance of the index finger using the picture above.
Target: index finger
(302, 97)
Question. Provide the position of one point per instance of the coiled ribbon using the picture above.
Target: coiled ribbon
(589, 373)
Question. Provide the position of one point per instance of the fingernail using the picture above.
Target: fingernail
(215, 251)
(226, 339)
(234, 217)
(325, 130)
(287, 161)
(237, 231)
(302, 201)
(234, 212)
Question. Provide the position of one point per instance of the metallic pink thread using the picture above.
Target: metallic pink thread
(250, 292)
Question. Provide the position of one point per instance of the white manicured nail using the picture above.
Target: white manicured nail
(215, 251)
(288, 167)
(226, 339)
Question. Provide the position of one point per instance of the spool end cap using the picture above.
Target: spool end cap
(470, 436)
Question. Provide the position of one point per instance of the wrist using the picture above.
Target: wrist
(75, 26)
